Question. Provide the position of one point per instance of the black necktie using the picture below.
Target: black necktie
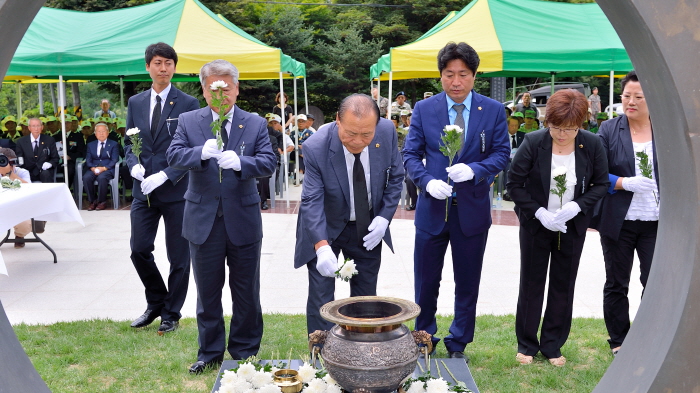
(513, 143)
(359, 186)
(102, 150)
(224, 133)
(156, 117)
(36, 148)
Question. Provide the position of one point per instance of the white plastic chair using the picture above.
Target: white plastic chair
(113, 184)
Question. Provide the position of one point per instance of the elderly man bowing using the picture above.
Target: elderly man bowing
(222, 218)
(351, 189)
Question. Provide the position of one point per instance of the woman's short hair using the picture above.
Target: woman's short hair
(277, 98)
(567, 107)
(630, 77)
(219, 68)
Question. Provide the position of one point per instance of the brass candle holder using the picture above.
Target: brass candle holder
(288, 381)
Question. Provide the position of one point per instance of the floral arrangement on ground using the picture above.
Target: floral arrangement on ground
(252, 376)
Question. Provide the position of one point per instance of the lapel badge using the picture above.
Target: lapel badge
(377, 145)
(240, 126)
(580, 146)
(171, 103)
(479, 108)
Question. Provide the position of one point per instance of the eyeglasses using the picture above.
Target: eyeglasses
(627, 97)
(564, 130)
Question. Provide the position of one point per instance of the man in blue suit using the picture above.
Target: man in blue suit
(222, 218)
(464, 184)
(154, 112)
(102, 156)
(347, 205)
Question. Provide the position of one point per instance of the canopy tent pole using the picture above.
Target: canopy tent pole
(612, 85)
(515, 95)
(41, 98)
(284, 129)
(62, 104)
(296, 125)
(391, 82)
(306, 97)
(379, 90)
(121, 93)
(19, 100)
(551, 91)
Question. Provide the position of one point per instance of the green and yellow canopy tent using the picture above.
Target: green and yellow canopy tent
(110, 45)
(516, 38)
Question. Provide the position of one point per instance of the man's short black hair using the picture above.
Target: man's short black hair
(360, 105)
(461, 51)
(630, 77)
(160, 49)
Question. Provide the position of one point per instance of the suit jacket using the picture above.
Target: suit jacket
(617, 142)
(325, 198)
(237, 193)
(531, 172)
(519, 136)
(153, 150)
(108, 159)
(76, 146)
(47, 153)
(487, 118)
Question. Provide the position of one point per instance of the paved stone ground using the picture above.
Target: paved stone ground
(94, 277)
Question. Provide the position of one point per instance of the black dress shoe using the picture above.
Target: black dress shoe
(167, 326)
(199, 366)
(264, 206)
(411, 207)
(146, 319)
(457, 355)
(507, 197)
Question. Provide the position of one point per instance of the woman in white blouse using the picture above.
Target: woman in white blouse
(550, 227)
(629, 213)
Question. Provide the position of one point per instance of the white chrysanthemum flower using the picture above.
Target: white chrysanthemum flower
(218, 85)
(318, 385)
(306, 373)
(454, 128)
(438, 385)
(329, 380)
(261, 379)
(229, 377)
(417, 387)
(348, 270)
(271, 388)
(226, 388)
(251, 390)
(241, 385)
(246, 371)
(132, 131)
(558, 171)
(274, 370)
(333, 388)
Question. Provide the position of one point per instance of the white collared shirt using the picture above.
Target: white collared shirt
(349, 163)
(229, 115)
(163, 96)
(99, 146)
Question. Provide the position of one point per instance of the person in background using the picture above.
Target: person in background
(288, 111)
(553, 227)
(527, 104)
(400, 103)
(9, 125)
(14, 172)
(76, 149)
(520, 117)
(629, 212)
(600, 118)
(531, 122)
(38, 153)
(382, 102)
(303, 134)
(101, 158)
(104, 110)
(515, 138)
(594, 103)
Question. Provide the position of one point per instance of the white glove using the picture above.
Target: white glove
(326, 261)
(438, 189)
(638, 184)
(152, 182)
(138, 171)
(210, 149)
(229, 160)
(376, 232)
(46, 166)
(547, 219)
(460, 172)
(567, 212)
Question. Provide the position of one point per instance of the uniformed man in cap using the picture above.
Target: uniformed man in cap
(400, 103)
(531, 123)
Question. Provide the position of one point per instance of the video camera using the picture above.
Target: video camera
(4, 161)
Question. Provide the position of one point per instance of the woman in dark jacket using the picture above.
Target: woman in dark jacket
(629, 212)
(550, 226)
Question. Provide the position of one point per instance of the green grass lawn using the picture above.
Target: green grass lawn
(108, 356)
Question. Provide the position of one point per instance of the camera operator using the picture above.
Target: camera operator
(38, 152)
(8, 167)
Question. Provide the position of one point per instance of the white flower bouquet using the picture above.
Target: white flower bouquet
(347, 270)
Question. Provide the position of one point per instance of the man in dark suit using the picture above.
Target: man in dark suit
(37, 153)
(336, 213)
(485, 153)
(76, 149)
(151, 112)
(102, 157)
(222, 219)
(515, 138)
